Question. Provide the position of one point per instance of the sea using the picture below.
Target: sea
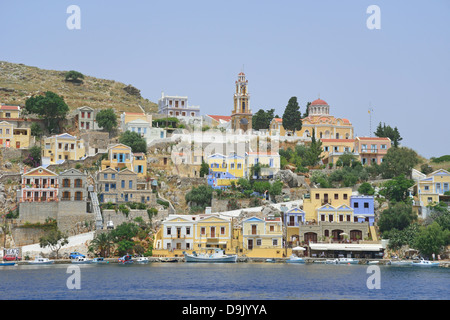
(234, 282)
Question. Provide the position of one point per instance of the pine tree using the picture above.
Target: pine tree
(292, 117)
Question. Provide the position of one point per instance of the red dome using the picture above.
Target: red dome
(318, 102)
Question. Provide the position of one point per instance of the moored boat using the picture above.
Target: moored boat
(40, 260)
(100, 260)
(295, 259)
(347, 261)
(217, 255)
(81, 260)
(142, 260)
(425, 263)
(331, 261)
(126, 259)
(400, 263)
(5, 264)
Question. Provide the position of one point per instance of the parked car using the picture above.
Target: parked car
(76, 255)
(11, 257)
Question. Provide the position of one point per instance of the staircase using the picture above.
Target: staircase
(373, 233)
(97, 211)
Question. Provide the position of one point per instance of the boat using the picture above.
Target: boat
(425, 263)
(400, 263)
(294, 259)
(40, 260)
(347, 261)
(100, 260)
(270, 260)
(331, 261)
(142, 260)
(373, 262)
(5, 264)
(126, 259)
(81, 260)
(217, 255)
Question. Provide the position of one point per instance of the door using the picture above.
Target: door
(254, 231)
(17, 144)
(213, 232)
(250, 244)
(292, 221)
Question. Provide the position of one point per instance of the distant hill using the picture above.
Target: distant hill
(18, 82)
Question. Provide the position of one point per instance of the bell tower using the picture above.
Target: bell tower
(241, 117)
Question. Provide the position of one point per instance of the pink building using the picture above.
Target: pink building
(372, 150)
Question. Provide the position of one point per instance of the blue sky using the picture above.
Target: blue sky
(288, 48)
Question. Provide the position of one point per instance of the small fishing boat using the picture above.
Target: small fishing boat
(270, 260)
(126, 259)
(40, 260)
(5, 264)
(294, 259)
(100, 260)
(142, 260)
(347, 261)
(373, 262)
(168, 259)
(331, 261)
(400, 263)
(217, 255)
(425, 263)
(81, 260)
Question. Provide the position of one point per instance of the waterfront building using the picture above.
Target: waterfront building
(241, 116)
(17, 138)
(319, 197)
(177, 232)
(432, 189)
(372, 150)
(262, 233)
(363, 208)
(62, 147)
(213, 231)
(72, 186)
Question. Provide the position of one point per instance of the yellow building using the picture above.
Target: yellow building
(120, 156)
(268, 161)
(432, 188)
(18, 138)
(318, 122)
(241, 116)
(334, 148)
(320, 197)
(9, 112)
(59, 148)
(213, 231)
(225, 169)
(329, 213)
(258, 233)
(132, 116)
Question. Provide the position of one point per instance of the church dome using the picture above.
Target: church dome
(319, 102)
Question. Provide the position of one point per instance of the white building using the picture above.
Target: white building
(145, 129)
(175, 106)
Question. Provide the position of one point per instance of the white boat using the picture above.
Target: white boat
(40, 260)
(400, 263)
(100, 260)
(347, 261)
(331, 261)
(294, 259)
(217, 255)
(373, 262)
(142, 260)
(425, 263)
(81, 260)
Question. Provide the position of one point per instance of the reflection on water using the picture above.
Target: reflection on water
(240, 281)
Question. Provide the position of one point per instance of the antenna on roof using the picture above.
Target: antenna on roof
(370, 119)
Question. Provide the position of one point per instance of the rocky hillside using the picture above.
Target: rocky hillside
(19, 82)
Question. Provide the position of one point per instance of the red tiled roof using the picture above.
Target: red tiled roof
(318, 102)
(218, 118)
(337, 140)
(372, 138)
(4, 107)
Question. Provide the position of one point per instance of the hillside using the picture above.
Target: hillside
(18, 82)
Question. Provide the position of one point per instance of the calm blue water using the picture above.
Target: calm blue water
(240, 281)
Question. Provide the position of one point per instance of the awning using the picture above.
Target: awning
(345, 247)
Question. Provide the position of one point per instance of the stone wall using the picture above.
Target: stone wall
(34, 212)
(26, 236)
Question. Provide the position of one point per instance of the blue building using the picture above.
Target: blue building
(363, 208)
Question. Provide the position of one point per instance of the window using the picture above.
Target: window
(105, 176)
(188, 230)
(203, 231)
(383, 147)
(169, 231)
(336, 196)
(322, 217)
(317, 196)
(341, 217)
(345, 196)
(325, 149)
(222, 230)
(123, 184)
(348, 218)
(272, 228)
(330, 218)
(426, 188)
(356, 205)
(78, 183)
(66, 183)
(130, 184)
(366, 205)
(258, 242)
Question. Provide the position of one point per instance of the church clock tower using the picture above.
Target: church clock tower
(241, 117)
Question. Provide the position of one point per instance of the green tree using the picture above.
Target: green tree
(432, 239)
(34, 157)
(50, 107)
(396, 189)
(384, 131)
(306, 114)
(276, 188)
(399, 238)
(36, 130)
(398, 161)
(347, 159)
(398, 216)
(134, 140)
(102, 243)
(262, 119)
(292, 118)
(366, 189)
(55, 239)
(74, 76)
(313, 152)
(200, 196)
(106, 119)
(204, 169)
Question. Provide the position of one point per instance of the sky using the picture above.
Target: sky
(286, 48)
